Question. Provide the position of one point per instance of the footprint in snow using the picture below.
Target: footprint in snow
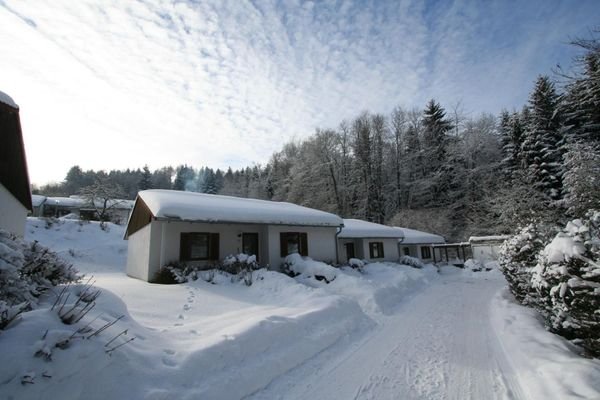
(169, 351)
(194, 332)
(187, 307)
(181, 316)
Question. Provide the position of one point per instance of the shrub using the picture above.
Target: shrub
(411, 261)
(26, 272)
(567, 281)
(518, 255)
(357, 264)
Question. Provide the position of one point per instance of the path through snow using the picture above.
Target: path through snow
(439, 345)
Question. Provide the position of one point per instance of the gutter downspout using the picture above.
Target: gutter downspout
(337, 232)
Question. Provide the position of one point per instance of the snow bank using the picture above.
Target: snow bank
(307, 268)
(546, 365)
(93, 250)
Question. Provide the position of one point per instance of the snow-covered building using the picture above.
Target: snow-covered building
(168, 226)
(486, 248)
(368, 241)
(418, 244)
(61, 206)
(37, 204)
(15, 193)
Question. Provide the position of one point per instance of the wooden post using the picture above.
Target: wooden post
(433, 249)
(446, 249)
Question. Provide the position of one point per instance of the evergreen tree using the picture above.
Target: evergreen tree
(435, 130)
(542, 142)
(146, 180)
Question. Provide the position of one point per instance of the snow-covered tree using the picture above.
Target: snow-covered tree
(567, 281)
(581, 179)
(542, 140)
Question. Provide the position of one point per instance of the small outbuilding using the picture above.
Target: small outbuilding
(167, 226)
(368, 241)
(418, 244)
(486, 248)
(15, 193)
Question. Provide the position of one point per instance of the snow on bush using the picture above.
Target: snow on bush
(567, 280)
(357, 264)
(26, 272)
(518, 255)
(411, 261)
(240, 266)
(306, 267)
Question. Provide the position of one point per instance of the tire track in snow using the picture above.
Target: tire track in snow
(439, 345)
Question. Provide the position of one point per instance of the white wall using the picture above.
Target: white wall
(138, 253)
(321, 243)
(485, 252)
(12, 213)
(230, 239)
(390, 249)
(358, 249)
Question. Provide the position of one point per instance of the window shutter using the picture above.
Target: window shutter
(213, 253)
(303, 244)
(184, 247)
(283, 244)
(381, 255)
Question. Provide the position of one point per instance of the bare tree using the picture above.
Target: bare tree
(103, 196)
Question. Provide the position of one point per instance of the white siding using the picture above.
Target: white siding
(485, 252)
(138, 253)
(321, 243)
(230, 238)
(390, 249)
(12, 213)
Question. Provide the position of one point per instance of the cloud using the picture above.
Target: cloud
(112, 84)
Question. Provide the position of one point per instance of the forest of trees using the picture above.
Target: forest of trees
(433, 169)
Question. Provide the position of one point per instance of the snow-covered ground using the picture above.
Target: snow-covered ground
(390, 332)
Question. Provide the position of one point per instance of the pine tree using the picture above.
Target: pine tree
(542, 142)
(435, 130)
(146, 180)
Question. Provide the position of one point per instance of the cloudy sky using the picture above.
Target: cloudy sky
(122, 83)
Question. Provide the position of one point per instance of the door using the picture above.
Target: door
(349, 250)
(250, 244)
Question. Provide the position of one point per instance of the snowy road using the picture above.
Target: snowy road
(438, 345)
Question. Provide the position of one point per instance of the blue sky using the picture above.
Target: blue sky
(222, 83)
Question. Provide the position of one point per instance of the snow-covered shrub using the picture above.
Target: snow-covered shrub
(518, 256)
(305, 267)
(473, 265)
(411, 261)
(242, 266)
(27, 271)
(357, 264)
(238, 266)
(567, 279)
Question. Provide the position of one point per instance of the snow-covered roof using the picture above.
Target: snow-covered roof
(6, 99)
(190, 206)
(64, 201)
(412, 236)
(356, 228)
(488, 239)
(37, 200)
(494, 238)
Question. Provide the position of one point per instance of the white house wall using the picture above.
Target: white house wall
(138, 254)
(230, 238)
(390, 249)
(12, 213)
(321, 243)
(487, 252)
(358, 249)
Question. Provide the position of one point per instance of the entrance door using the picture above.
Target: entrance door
(349, 250)
(250, 244)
